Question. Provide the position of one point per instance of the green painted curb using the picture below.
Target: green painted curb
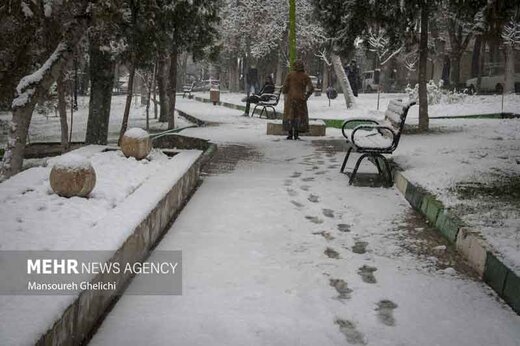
(495, 273)
(414, 195)
(512, 291)
(431, 207)
(449, 225)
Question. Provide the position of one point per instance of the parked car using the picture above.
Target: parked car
(368, 82)
(492, 83)
(314, 81)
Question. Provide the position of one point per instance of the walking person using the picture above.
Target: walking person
(267, 88)
(297, 89)
(352, 71)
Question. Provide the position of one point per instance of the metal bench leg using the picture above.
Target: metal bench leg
(262, 112)
(378, 165)
(345, 160)
(274, 113)
(388, 171)
(254, 110)
(354, 172)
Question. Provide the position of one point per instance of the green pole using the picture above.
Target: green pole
(292, 32)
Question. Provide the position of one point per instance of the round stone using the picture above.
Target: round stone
(72, 175)
(136, 143)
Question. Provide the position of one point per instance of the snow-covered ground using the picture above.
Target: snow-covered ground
(459, 151)
(367, 105)
(462, 157)
(32, 217)
(279, 250)
(47, 127)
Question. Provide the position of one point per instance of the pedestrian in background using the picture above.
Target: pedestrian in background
(267, 88)
(352, 71)
(297, 90)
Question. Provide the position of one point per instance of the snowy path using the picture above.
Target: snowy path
(278, 250)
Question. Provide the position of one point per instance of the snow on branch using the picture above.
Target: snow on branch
(323, 56)
(380, 45)
(25, 89)
(410, 60)
(511, 33)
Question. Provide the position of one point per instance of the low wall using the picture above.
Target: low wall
(79, 319)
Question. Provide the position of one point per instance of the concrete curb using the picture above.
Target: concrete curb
(482, 257)
(79, 319)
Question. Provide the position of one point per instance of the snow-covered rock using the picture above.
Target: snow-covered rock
(72, 175)
(136, 143)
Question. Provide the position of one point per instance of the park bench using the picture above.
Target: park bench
(374, 138)
(187, 89)
(268, 101)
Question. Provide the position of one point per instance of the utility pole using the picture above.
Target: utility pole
(292, 32)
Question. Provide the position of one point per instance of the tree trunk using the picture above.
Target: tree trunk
(343, 81)
(30, 89)
(481, 65)
(154, 90)
(455, 69)
(475, 58)
(162, 85)
(509, 71)
(62, 110)
(126, 114)
(325, 77)
(280, 68)
(172, 89)
(102, 70)
(423, 61)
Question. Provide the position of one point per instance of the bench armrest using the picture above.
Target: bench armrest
(379, 128)
(346, 122)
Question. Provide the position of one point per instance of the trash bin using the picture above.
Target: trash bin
(214, 95)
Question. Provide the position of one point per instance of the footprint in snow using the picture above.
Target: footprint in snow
(331, 253)
(328, 212)
(341, 287)
(296, 175)
(333, 166)
(385, 312)
(367, 274)
(354, 336)
(308, 179)
(343, 227)
(305, 187)
(313, 198)
(287, 182)
(314, 219)
(324, 234)
(320, 172)
(360, 247)
(297, 204)
(292, 193)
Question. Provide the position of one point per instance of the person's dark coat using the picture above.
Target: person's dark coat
(297, 89)
(352, 72)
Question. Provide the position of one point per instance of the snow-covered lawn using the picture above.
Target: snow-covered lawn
(281, 251)
(367, 105)
(47, 127)
(461, 160)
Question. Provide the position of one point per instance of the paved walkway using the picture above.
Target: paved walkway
(279, 250)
